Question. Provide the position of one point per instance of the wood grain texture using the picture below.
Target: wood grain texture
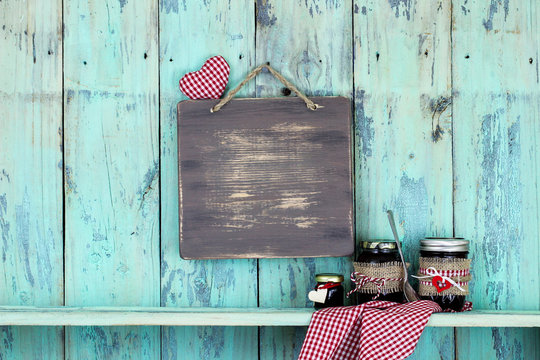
(265, 178)
(191, 32)
(111, 170)
(173, 316)
(31, 251)
(403, 104)
(310, 44)
(403, 130)
(497, 166)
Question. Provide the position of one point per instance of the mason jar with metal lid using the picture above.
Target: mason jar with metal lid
(444, 272)
(376, 270)
(331, 284)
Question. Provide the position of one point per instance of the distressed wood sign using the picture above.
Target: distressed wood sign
(265, 178)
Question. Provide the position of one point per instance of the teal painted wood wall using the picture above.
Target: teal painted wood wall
(447, 121)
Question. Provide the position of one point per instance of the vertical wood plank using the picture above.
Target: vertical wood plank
(403, 100)
(31, 250)
(310, 44)
(191, 32)
(497, 166)
(112, 170)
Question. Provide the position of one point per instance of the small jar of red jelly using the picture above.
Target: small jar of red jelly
(448, 258)
(379, 257)
(335, 291)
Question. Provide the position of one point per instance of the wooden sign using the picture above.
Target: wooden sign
(265, 178)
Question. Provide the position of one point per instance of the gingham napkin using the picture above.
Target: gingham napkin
(377, 330)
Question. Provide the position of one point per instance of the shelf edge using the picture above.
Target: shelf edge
(168, 316)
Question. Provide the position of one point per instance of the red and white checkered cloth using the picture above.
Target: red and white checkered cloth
(377, 330)
(207, 83)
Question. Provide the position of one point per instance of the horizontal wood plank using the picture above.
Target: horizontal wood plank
(123, 316)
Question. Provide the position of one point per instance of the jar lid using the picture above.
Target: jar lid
(329, 277)
(440, 244)
(379, 244)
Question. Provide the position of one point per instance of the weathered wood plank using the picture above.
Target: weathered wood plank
(310, 44)
(31, 251)
(403, 129)
(228, 31)
(265, 178)
(140, 316)
(496, 132)
(111, 170)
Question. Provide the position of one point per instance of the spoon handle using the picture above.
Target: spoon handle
(394, 231)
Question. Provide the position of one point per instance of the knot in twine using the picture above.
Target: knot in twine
(432, 273)
(310, 104)
(360, 280)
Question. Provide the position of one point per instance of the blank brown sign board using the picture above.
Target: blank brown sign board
(265, 178)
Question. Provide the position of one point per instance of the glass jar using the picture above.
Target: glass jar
(335, 291)
(448, 256)
(380, 254)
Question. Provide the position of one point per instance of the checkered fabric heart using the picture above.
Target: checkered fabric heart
(377, 330)
(207, 83)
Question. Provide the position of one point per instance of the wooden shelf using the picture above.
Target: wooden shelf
(122, 316)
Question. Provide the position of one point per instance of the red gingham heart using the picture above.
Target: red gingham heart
(207, 83)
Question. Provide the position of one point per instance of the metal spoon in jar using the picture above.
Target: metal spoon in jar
(410, 293)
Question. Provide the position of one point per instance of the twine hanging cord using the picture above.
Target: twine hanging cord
(310, 104)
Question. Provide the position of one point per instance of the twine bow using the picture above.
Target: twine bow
(360, 280)
(432, 272)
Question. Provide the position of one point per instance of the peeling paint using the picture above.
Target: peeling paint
(446, 344)
(212, 341)
(264, 15)
(122, 4)
(396, 5)
(45, 244)
(4, 225)
(149, 178)
(504, 349)
(71, 187)
(6, 335)
(364, 124)
(293, 293)
(170, 6)
(69, 95)
(501, 183)
(22, 230)
(4, 175)
(412, 208)
(493, 9)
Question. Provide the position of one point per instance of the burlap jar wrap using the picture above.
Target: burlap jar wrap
(386, 270)
(426, 288)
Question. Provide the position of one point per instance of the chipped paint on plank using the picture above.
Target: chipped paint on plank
(492, 10)
(503, 192)
(412, 208)
(170, 6)
(230, 283)
(365, 129)
(264, 13)
(401, 7)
